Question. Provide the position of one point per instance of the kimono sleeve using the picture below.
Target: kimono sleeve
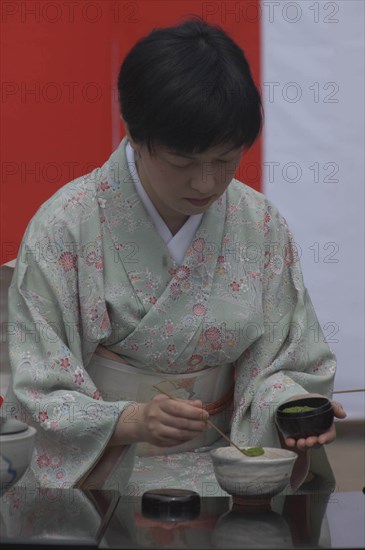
(57, 316)
(291, 356)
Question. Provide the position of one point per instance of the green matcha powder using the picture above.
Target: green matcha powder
(298, 409)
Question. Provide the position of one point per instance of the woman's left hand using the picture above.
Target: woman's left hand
(317, 441)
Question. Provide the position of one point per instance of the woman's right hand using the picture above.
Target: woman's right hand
(162, 421)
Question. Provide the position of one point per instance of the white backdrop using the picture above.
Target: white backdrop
(313, 85)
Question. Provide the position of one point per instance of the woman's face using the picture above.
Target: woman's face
(181, 185)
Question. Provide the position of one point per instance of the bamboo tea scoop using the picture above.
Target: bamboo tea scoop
(207, 421)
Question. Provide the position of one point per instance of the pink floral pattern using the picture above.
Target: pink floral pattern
(113, 283)
(43, 416)
(68, 261)
(104, 186)
(43, 461)
(234, 286)
(79, 376)
(65, 362)
(199, 310)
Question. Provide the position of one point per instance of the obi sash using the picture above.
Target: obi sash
(214, 386)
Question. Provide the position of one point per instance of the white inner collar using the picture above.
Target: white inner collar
(178, 243)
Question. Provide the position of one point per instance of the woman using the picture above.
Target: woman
(159, 272)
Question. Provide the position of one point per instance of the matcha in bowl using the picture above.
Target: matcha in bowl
(304, 417)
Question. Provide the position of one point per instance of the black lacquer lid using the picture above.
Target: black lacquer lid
(171, 504)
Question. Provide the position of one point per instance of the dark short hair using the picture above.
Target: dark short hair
(189, 87)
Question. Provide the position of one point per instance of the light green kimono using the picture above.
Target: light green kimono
(92, 270)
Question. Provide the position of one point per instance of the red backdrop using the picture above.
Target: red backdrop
(60, 117)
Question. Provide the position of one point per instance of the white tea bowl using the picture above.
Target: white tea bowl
(253, 476)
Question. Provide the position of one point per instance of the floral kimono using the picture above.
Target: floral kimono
(95, 287)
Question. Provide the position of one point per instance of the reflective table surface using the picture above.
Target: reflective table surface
(105, 519)
(62, 517)
(317, 520)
